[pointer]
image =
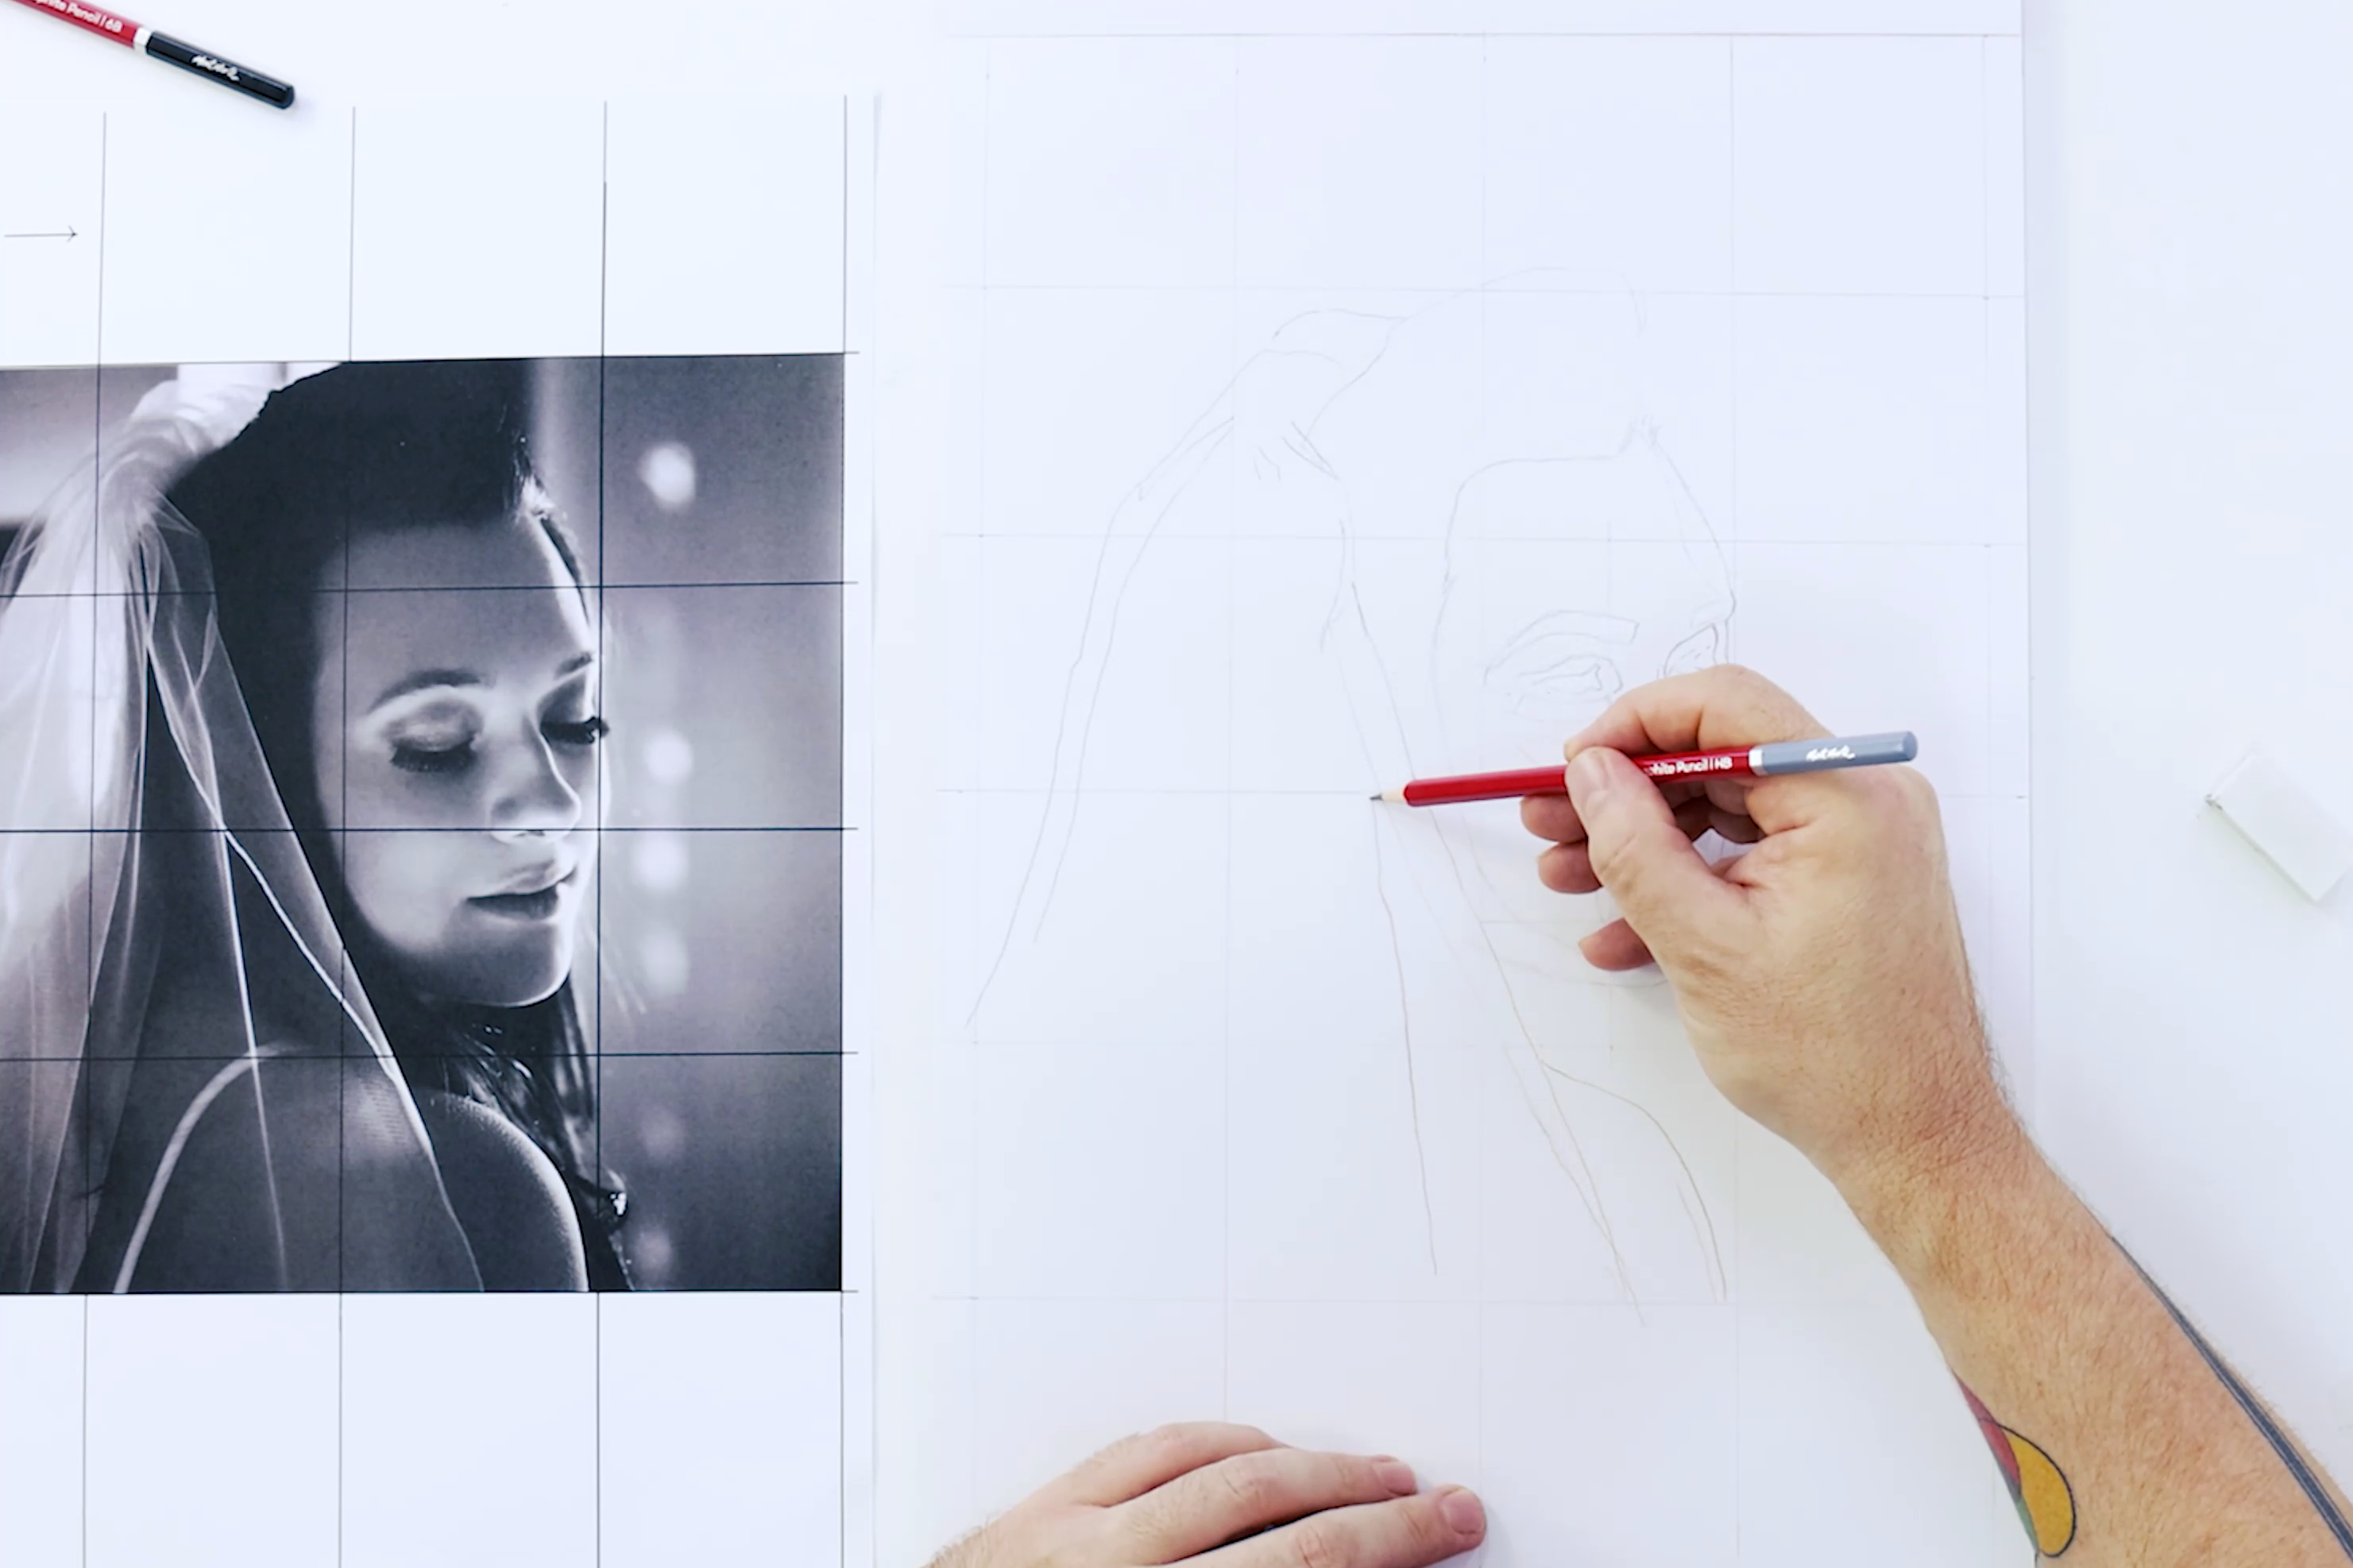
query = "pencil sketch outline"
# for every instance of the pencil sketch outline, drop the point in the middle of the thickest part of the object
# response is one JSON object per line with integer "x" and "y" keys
{"x": 1347, "y": 632}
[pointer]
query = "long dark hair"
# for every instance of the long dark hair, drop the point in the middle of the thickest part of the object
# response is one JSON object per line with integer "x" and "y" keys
{"x": 358, "y": 450}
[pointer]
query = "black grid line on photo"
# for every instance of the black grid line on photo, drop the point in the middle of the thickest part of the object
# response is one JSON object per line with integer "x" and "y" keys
{"x": 88, "y": 1137}
{"x": 246, "y": 835}
{"x": 821, "y": 577}
{"x": 342, "y": 1336}
{"x": 768, "y": 440}
{"x": 604, "y": 764}
{"x": 361, "y": 591}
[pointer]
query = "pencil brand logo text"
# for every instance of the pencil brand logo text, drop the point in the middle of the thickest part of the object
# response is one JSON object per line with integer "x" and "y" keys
{"x": 82, "y": 13}
{"x": 1830, "y": 754}
{"x": 1691, "y": 765}
{"x": 218, "y": 67}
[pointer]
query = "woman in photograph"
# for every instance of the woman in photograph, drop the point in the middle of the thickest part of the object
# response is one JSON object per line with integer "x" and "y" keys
{"x": 299, "y": 718}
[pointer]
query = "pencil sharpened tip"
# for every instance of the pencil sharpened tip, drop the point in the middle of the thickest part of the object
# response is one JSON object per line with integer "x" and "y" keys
{"x": 1376, "y": 795}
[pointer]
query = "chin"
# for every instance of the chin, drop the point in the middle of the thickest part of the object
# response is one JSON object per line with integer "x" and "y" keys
{"x": 517, "y": 979}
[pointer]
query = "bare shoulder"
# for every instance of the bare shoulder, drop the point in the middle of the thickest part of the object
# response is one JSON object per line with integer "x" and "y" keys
{"x": 244, "y": 1191}
{"x": 508, "y": 1195}
{"x": 253, "y": 1188}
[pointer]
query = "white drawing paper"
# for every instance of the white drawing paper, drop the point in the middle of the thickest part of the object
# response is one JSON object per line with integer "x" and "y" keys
{"x": 1342, "y": 404}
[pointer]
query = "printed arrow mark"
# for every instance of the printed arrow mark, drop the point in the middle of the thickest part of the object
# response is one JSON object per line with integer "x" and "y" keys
{"x": 68, "y": 234}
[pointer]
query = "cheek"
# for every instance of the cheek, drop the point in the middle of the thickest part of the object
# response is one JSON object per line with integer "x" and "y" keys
{"x": 583, "y": 772}
{"x": 1516, "y": 726}
{"x": 405, "y": 886}
{"x": 376, "y": 796}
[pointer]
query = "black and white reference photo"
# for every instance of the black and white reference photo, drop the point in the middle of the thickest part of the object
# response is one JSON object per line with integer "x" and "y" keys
{"x": 421, "y": 825}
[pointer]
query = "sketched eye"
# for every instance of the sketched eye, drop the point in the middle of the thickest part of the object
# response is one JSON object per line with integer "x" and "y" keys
{"x": 1542, "y": 682}
{"x": 1696, "y": 651}
{"x": 1581, "y": 677}
{"x": 1546, "y": 690}
{"x": 1552, "y": 668}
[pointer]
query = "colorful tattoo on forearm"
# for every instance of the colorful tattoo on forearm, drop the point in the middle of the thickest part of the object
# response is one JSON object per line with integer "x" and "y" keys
{"x": 2046, "y": 1503}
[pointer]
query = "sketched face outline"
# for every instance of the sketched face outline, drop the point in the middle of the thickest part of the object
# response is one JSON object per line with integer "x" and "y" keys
{"x": 1507, "y": 500}
{"x": 1569, "y": 582}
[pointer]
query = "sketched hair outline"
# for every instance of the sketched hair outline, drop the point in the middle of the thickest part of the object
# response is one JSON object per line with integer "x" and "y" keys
{"x": 1328, "y": 353}
{"x": 1327, "y": 370}
{"x": 1373, "y": 688}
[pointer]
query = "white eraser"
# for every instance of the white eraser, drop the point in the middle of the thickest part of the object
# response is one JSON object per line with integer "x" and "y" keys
{"x": 2294, "y": 832}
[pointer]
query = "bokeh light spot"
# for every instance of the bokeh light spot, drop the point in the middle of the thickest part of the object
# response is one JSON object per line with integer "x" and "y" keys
{"x": 659, "y": 861}
{"x": 670, "y": 757}
{"x": 667, "y": 470}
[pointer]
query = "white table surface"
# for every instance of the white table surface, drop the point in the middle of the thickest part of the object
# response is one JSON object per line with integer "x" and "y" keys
{"x": 2190, "y": 238}
{"x": 2190, "y": 296}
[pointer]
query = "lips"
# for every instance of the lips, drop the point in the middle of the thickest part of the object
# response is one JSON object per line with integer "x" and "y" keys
{"x": 534, "y": 895}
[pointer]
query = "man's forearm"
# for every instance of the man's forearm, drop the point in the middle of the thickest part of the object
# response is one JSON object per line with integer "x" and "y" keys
{"x": 2124, "y": 1442}
{"x": 1822, "y": 979}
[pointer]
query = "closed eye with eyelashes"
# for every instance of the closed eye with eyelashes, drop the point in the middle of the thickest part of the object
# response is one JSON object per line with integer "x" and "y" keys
{"x": 431, "y": 755}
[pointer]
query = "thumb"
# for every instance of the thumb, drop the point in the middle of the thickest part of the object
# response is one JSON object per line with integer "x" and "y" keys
{"x": 1663, "y": 886}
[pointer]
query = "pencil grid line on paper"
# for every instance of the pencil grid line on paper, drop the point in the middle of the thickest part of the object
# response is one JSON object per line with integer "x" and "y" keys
{"x": 1042, "y": 803}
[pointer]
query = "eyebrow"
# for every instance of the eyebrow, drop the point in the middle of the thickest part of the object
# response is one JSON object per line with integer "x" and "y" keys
{"x": 429, "y": 680}
{"x": 1576, "y": 623}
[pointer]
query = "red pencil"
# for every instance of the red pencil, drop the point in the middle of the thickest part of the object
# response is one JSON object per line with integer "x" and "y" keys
{"x": 1767, "y": 761}
{"x": 169, "y": 50}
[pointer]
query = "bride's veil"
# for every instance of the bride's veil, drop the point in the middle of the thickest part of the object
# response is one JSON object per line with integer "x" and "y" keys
{"x": 167, "y": 954}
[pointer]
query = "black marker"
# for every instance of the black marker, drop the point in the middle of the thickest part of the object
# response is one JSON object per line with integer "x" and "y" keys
{"x": 169, "y": 49}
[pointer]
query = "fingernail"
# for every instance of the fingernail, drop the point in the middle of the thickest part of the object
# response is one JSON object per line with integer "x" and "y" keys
{"x": 1462, "y": 1512}
{"x": 1395, "y": 1475}
{"x": 1587, "y": 775}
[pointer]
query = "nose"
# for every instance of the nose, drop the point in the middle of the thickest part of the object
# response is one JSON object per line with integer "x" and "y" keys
{"x": 532, "y": 799}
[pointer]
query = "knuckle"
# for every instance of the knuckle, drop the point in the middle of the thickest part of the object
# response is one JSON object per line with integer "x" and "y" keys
{"x": 1315, "y": 1543}
{"x": 1918, "y": 793}
{"x": 1932, "y": 810}
{"x": 1172, "y": 1442}
{"x": 1734, "y": 675}
{"x": 1613, "y": 860}
{"x": 1766, "y": 703}
{"x": 1250, "y": 1485}
{"x": 1147, "y": 1524}
{"x": 968, "y": 1553}
{"x": 1110, "y": 1456}
{"x": 1118, "y": 1448}
{"x": 1917, "y": 815}
{"x": 1427, "y": 1527}
{"x": 1740, "y": 682}
{"x": 1236, "y": 1438}
{"x": 1359, "y": 1477}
